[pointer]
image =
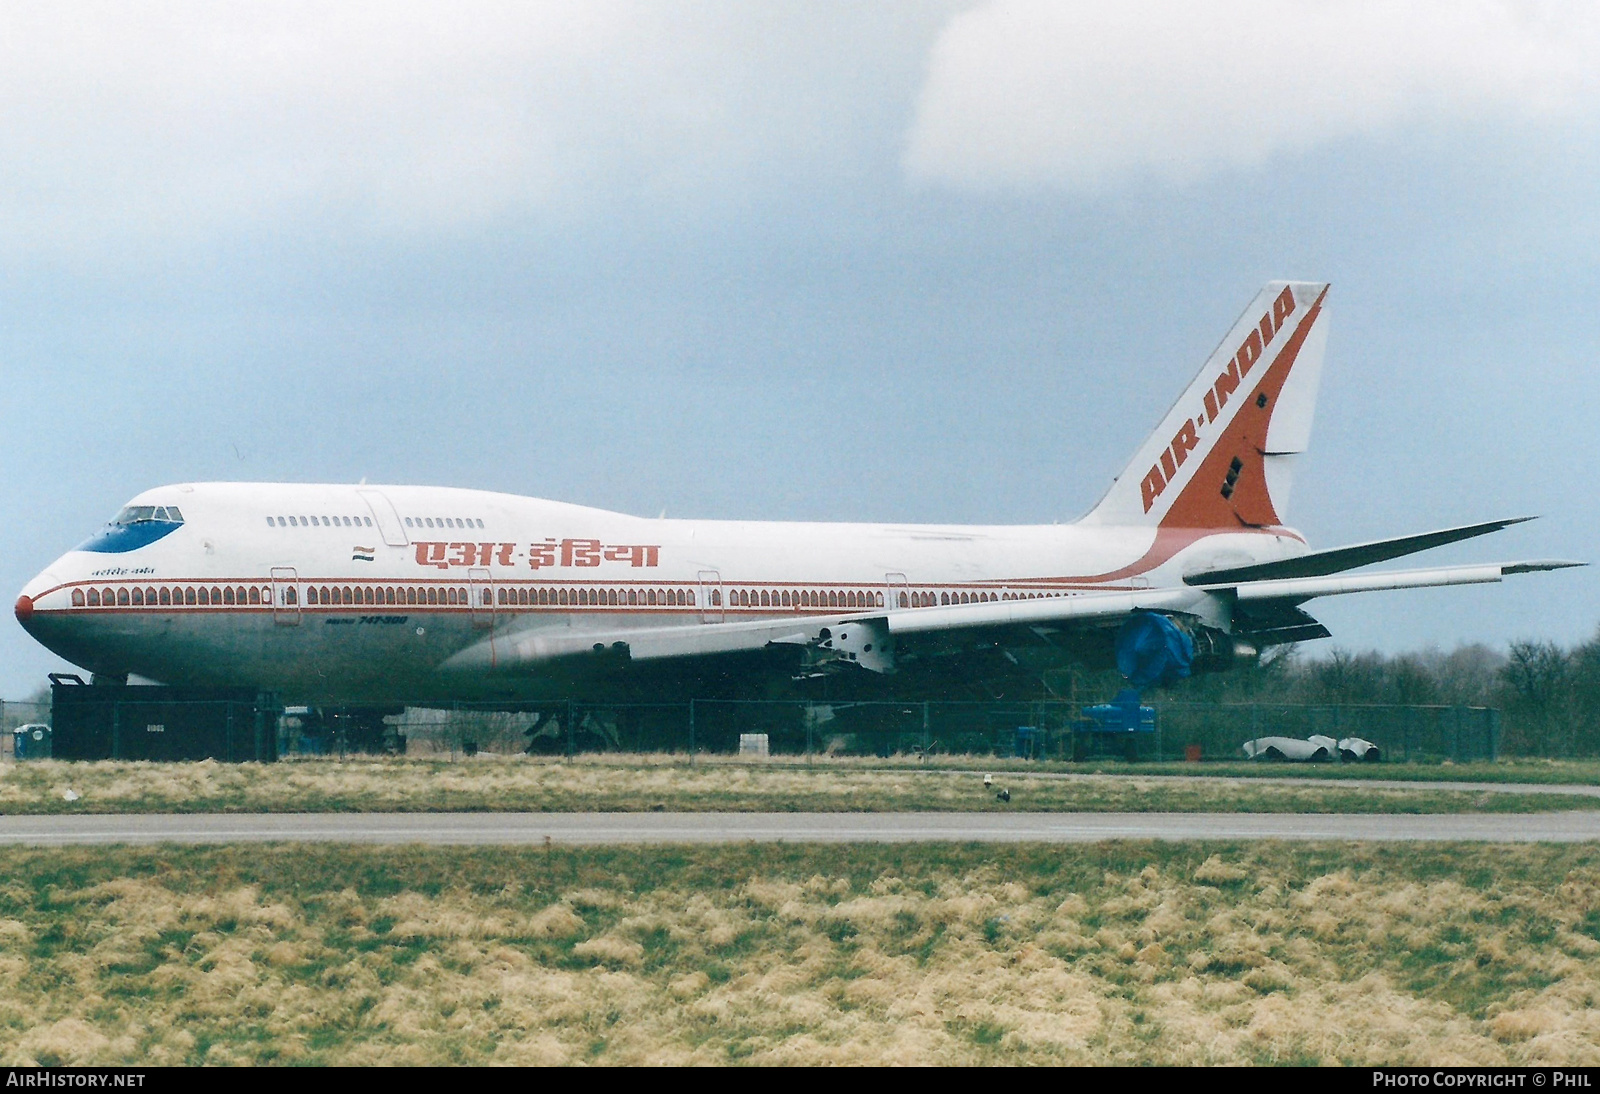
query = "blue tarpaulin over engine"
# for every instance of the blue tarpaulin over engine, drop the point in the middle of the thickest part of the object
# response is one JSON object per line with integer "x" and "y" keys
{"x": 1152, "y": 649}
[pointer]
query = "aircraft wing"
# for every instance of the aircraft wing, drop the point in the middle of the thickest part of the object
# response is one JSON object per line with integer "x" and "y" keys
{"x": 1268, "y": 609}
{"x": 1297, "y": 590}
{"x": 864, "y": 637}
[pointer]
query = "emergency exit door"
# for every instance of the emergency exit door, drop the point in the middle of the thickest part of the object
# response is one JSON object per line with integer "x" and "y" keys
{"x": 285, "y": 596}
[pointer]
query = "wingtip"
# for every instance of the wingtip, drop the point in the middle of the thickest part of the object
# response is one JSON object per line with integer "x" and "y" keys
{"x": 1539, "y": 566}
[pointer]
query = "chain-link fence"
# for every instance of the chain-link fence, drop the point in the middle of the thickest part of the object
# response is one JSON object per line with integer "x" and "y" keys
{"x": 1049, "y": 729}
{"x": 1402, "y": 733}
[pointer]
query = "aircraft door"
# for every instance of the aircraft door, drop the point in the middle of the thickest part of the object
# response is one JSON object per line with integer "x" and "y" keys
{"x": 710, "y": 596}
{"x": 896, "y": 592}
{"x": 285, "y": 596}
{"x": 482, "y": 596}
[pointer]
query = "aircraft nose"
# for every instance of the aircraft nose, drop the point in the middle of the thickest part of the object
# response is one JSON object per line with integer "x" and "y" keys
{"x": 27, "y": 605}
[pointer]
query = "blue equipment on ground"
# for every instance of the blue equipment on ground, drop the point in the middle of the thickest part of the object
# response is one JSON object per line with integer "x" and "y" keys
{"x": 1023, "y": 747}
{"x": 31, "y": 742}
{"x": 1152, "y": 649}
{"x": 1123, "y": 714}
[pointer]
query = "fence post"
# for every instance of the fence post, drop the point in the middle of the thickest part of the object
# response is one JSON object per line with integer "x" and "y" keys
{"x": 1493, "y": 727}
{"x": 691, "y": 733}
{"x": 571, "y": 739}
{"x": 926, "y": 738}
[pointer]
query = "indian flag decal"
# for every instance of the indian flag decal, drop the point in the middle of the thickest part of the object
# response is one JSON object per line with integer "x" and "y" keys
{"x": 362, "y": 554}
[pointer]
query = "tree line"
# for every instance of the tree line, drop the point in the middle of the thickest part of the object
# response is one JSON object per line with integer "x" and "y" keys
{"x": 1549, "y": 696}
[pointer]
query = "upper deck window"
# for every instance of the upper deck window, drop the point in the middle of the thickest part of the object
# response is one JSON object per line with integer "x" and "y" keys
{"x": 462, "y": 523}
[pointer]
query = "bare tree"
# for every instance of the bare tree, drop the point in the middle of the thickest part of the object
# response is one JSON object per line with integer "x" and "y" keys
{"x": 1537, "y": 673}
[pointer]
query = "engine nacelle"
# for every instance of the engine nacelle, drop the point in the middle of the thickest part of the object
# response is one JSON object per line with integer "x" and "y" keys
{"x": 867, "y": 644}
{"x": 1152, "y": 648}
{"x": 1218, "y": 651}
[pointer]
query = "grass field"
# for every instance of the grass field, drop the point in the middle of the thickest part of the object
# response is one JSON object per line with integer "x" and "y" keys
{"x": 1584, "y": 772}
{"x": 1114, "y": 953}
{"x": 638, "y": 783}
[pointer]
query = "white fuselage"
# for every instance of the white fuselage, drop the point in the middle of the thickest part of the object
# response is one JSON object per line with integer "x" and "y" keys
{"x": 327, "y": 593}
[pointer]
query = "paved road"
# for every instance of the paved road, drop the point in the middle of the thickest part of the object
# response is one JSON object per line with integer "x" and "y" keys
{"x": 590, "y": 828}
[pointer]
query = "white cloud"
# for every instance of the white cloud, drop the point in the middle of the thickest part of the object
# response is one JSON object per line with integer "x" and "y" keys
{"x": 1026, "y": 94}
{"x": 191, "y": 117}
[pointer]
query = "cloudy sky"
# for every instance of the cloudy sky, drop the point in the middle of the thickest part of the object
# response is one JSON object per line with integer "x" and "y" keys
{"x": 912, "y": 262}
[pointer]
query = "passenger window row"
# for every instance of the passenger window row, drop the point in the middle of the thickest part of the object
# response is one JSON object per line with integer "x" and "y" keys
{"x": 323, "y": 522}
{"x": 928, "y": 599}
{"x": 240, "y": 595}
{"x": 443, "y": 522}
{"x": 622, "y": 598}
{"x": 804, "y": 598}
{"x": 521, "y": 596}
{"x": 174, "y": 596}
{"x": 331, "y": 595}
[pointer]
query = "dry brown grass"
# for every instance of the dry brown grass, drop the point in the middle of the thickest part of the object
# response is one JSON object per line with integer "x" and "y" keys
{"x": 1116, "y": 953}
{"x": 636, "y": 783}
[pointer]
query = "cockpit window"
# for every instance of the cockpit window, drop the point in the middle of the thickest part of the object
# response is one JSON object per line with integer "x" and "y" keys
{"x": 139, "y": 514}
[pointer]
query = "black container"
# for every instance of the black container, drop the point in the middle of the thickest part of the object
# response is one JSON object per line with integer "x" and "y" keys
{"x": 152, "y": 722}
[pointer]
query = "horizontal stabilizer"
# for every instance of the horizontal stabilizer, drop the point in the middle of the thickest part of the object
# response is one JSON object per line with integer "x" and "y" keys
{"x": 1338, "y": 559}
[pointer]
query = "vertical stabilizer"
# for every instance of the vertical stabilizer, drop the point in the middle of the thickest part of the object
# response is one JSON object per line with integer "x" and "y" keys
{"x": 1222, "y": 457}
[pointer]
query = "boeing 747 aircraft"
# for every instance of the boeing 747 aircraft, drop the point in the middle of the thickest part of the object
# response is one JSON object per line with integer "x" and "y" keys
{"x": 387, "y": 594}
